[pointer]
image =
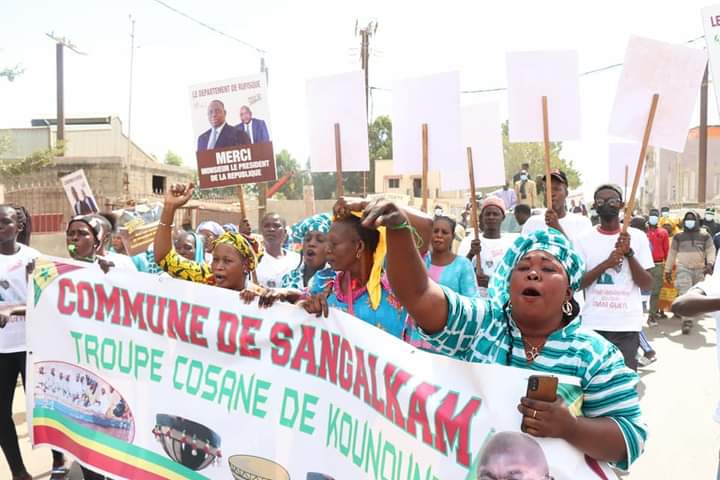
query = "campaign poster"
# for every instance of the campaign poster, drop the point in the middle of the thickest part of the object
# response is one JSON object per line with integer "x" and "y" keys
{"x": 79, "y": 194}
{"x": 231, "y": 125}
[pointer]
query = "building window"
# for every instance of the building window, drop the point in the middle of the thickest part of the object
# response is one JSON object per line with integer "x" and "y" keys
{"x": 417, "y": 187}
{"x": 158, "y": 184}
{"x": 393, "y": 183}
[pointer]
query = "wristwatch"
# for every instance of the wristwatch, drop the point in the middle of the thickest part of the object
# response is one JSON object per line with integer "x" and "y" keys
{"x": 630, "y": 253}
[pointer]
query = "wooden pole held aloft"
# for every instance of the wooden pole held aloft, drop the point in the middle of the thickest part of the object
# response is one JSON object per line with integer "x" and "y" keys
{"x": 546, "y": 142}
{"x": 425, "y": 189}
{"x": 473, "y": 201}
{"x": 630, "y": 200}
{"x": 339, "y": 187}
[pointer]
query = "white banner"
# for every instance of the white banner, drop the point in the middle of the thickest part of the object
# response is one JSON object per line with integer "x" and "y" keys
{"x": 143, "y": 377}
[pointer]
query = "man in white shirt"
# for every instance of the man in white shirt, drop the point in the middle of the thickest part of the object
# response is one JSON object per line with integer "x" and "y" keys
{"x": 492, "y": 244}
{"x": 277, "y": 261}
{"x": 572, "y": 225}
{"x": 617, "y": 267}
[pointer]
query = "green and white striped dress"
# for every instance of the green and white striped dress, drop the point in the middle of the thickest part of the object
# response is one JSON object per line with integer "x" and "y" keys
{"x": 475, "y": 332}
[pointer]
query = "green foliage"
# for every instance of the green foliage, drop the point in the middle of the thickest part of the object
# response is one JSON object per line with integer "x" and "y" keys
{"x": 380, "y": 138}
{"x": 533, "y": 153}
{"x": 12, "y": 73}
{"x": 32, "y": 163}
{"x": 293, "y": 188}
{"x": 172, "y": 158}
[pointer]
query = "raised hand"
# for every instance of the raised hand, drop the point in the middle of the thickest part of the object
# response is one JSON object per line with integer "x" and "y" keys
{"x": 178, "y": 195}
{"x": 383, "y": 213}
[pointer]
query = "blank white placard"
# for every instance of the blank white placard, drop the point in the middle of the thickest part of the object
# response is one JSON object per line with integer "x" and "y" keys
{"x": 434, "y": 100}
{"x": 619, "y": 156}
{"x": 480, "y": 130}
{"x": 674, "y": 72}
{"x": 532, "y": 75}
{"x": 337, "y": 99}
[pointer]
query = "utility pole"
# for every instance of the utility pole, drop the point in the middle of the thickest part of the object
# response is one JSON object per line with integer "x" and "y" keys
{"x": 365, "y": 34}
{"x": 126, "y": 167}
{"x": 60, "y": 44}
{"x": 262, "y": 186}
{"x": 702, "y": 143}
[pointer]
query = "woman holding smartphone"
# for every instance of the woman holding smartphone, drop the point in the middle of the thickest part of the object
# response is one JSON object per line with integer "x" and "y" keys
{"x": 529, "y": 321}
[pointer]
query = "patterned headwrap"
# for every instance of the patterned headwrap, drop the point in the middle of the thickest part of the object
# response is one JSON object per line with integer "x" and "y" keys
{"x": 374, "y": 286}
{"x": 95, "y": 222}
{"x": 248, "y": 247}
{"x": 551, "y": 241}
{"x": 317, "y": 223}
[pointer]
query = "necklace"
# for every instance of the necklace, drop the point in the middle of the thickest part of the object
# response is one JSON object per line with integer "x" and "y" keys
{"x": 532, "y": 351}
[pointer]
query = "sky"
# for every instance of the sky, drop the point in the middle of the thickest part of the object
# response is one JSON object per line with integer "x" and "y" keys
{"x": 304, "y": 39}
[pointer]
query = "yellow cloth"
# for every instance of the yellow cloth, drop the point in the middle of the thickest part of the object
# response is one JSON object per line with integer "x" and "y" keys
{"x": 244, "y": 245}
{"x": 373, "y": 286}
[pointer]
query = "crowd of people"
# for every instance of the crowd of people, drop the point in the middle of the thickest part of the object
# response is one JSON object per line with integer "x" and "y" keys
{"x": 566, "y": 292}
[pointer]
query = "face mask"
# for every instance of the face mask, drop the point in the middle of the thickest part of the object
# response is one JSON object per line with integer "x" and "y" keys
{"x": 664, "y": 213}
{"x": 689, "y": 224}
{"x": 653, "y": 220}
{"x": 438, "y": 212}
{"x": 606, "y": 211}
{"x": 709, "y": 218}
{"x": 523, "y": 177}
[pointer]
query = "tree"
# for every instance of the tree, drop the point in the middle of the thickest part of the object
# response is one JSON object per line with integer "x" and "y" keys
{"x": 380, "y": 138}
{"x": 284, "y": 164}
{"x": 533, "y": 153}
{"x": 12, "y": 72}
{"x": 172, "y": 158}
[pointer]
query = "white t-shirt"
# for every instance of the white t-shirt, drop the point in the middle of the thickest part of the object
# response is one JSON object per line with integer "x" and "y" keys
{"x": 491, "y": 252}
{"x": 270, "y": 270}
{"x": 613, "y": 302}
{"x": 13, "y": 291}
{"x": 573, "y": 224}
{"x": 123, "y": 262}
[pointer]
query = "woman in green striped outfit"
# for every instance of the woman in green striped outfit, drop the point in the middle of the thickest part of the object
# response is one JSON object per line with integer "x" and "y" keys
{"x": 529, "y": 320}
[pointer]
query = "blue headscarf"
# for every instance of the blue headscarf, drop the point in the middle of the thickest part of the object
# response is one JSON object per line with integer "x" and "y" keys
{"x": 549, "y": 240}
{"x": 199, "y": 246}
{"x": 317, "y": 223}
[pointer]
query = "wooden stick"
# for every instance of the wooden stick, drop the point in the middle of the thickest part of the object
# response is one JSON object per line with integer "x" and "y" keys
{"x": 630, "y": 201}
{"x": 546, "y": 141}
{"x": 425, "y": 190}
{"x": 241, "y": 197}
{"x": 473, "y": 202}
{"x": 339, "y": 187}
{"x": 627, "y": 168}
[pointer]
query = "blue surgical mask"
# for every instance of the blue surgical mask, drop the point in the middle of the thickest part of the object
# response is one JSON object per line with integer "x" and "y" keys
{"x": 653, "y": 220}
{"x": 523, "y": 177}
{"x": 689, "y": 224}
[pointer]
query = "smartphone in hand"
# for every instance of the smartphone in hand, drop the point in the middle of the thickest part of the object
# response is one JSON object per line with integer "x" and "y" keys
{"x": 542, "y": 387}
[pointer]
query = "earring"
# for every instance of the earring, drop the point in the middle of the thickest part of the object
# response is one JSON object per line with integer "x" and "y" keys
{"x": 357, "y": 255}
{"x": 567, "y": 308}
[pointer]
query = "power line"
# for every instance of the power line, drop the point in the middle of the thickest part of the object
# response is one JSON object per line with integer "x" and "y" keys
{"x": 210, "y": 27}
{"x": 501, "y": 89}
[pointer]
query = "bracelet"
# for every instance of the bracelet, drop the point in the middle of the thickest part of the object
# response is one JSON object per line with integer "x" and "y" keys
{"x": 166, "y": 225}
{"x": 406, "y": 226}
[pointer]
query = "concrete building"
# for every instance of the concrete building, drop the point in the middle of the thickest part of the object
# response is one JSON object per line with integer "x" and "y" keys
{"x": 671, "y": 178}
{"x": 100, "y": 148}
